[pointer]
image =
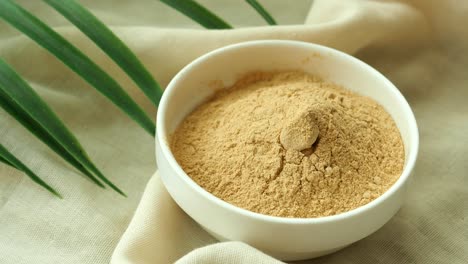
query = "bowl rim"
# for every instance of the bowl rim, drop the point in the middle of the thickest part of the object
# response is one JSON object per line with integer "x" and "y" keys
{"x": 161, "y": 134}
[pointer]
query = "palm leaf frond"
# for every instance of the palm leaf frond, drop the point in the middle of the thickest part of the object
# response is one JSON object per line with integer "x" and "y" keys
{"x": 262, "y": 11}
{"x": 110, "y": 44}
{"x": 6, "y": 162}
{"x": 198, "y": 13}
{"x": 37, "y": 130}
{"x": 8, "y": 158}
{"x": 75, "y": 60}
{"x": 17, "y": 90}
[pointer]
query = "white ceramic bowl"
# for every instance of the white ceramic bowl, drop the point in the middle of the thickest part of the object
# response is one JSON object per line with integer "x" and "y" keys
{"x": 283, "y": 238}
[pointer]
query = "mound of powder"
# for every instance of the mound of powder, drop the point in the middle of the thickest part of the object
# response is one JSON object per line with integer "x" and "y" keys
{"x": 289, "y": 144}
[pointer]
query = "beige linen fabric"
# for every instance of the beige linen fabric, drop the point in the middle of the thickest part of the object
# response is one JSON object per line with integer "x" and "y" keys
{"x": 419, "y": 45}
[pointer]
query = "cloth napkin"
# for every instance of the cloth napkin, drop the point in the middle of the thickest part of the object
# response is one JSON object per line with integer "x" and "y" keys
{"x": 419, "y": 45}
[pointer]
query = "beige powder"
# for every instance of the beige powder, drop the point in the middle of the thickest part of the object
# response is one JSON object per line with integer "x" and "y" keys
{"x": 288, "y": 144}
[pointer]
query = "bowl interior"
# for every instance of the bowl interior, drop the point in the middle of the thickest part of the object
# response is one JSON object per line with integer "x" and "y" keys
{"x": 221, "y": 68}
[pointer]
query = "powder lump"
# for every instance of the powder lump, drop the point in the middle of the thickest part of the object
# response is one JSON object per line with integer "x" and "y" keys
{"x": 291, "y": 145}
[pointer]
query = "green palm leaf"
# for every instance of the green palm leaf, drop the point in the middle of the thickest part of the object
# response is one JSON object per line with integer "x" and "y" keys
{"x": 36, "y": 129}
{"x": 31, "y": 104}
{"x": 8, "y": 158}
{"x": 198, "y": 13}
{"x": 75, "y": 59}
{"x": 6, "y": 162}
{"x": 110, "y": 44}
{"x": 259, "y": 8}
